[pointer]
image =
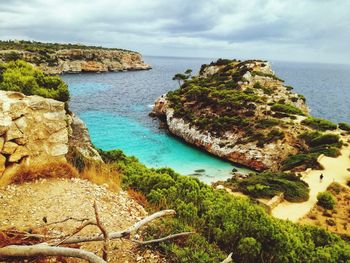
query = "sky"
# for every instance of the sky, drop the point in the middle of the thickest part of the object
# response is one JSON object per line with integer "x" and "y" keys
{"x": 288, "y": 30}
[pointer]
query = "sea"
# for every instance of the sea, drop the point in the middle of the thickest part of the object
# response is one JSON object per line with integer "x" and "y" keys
{"x": 115, "y": 108}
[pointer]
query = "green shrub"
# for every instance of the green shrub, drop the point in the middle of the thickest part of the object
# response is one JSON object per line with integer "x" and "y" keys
{"x": 326, "y": 200}
{"x": 309, "y": 160}
{"x": 267, "y": 123}
{"x": 314, "y": 139}
{"x": 344, "y": 126}
{"x": 319, "y": 124}
{"x": 287, "y": 108}
{"x": 268, "y": 184}
{"x": 225, "y": 221}
{"x": 23, "y": 77}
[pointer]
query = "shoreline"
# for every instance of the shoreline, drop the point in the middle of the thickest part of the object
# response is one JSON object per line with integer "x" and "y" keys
{"x": 335, "y": 170}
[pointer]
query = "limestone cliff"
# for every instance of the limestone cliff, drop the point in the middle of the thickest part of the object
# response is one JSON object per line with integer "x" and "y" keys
{"x": 239, "y": 111}
{"x": 34, "y": 129}
{"x": 58, "y": 59}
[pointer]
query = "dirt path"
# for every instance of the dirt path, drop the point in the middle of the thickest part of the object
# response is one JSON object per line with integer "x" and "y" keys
{"x": 25, "y": 206}
{"x": 335, "y": 171}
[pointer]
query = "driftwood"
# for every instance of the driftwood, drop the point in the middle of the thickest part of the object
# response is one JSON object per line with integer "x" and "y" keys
{"x": 53, "y": 248}
{"x": 46, "y": 250}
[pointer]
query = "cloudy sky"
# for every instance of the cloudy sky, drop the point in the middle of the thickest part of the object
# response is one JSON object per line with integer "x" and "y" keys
{"x": 292, "y": 30}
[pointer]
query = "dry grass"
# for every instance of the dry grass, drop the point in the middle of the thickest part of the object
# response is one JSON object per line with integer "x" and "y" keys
{"x": 103, "y": 174}
{"x": 336, "y": 220}
{"x": 139, "y": 197}
{"x": 97, "y": 173}
{"x": 28, "y": 173}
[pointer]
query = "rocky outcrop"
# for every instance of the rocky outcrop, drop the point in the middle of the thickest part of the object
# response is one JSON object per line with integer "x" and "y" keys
{"x": 34, "y": 130}
{"x": 80, "y": 60}
{"x": 237, "y": 143}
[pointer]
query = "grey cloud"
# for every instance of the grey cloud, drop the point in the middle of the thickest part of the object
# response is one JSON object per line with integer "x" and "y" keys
{"x": 288, "y": 29}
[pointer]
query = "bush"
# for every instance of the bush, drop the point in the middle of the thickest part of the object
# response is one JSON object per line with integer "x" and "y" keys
{"x": 319, "y": 124}
{"x": 344, "y": 126}
{"x": 223, "y": 222}
{"x": 287, "y": 108}
{"x": 304, "y": 159}
{"x": 268, "y": 184}
{"x": 326, "y": 200}
{"x": 23, "y": 77}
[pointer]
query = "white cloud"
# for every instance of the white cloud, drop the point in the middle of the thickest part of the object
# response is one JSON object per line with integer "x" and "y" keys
{"x": 309, "y": 30}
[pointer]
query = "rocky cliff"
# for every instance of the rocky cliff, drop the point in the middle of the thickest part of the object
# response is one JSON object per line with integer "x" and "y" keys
{"x": 239, "y": 111}
{"x": 58, "y": 59}
{"x": 34, "y": 129}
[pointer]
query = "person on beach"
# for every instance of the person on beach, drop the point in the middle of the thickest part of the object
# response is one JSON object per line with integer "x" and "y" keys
{"x": 321, "y": 177}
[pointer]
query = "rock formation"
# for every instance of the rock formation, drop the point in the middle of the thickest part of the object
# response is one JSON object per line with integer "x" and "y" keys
{"x": 34, "y": 129}
{"x": 80, "y": 60}
{"x": 233, "y": 110}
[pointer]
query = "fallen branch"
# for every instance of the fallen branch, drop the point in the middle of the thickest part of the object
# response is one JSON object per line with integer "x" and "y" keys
{"x": 104, "y": 232}
{"x": 120, "y": 234}
{"x": 228, "y": 259}
{"x": 46, "y": 250}
{"x": 161, "y": 239}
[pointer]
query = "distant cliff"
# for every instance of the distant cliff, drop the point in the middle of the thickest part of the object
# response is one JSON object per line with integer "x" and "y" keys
{"x": 242, "y": 112}
{"x": 69, "y": 58}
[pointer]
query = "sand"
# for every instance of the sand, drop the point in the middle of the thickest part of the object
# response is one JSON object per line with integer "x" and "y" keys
{"x": 335, "y": 170}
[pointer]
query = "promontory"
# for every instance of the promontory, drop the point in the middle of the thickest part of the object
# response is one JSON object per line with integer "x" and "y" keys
{"x": 241, "y": 111}
{"x": 54, "y": 58}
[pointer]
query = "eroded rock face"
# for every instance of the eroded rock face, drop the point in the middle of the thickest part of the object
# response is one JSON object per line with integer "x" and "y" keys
{"x": 230, "y": 145}
{"x": 83, "y": 60}
{"x": 34, "y": 129}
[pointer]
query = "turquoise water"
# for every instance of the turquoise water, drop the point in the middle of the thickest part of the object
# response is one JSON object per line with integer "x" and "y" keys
{"x": 155, "y": 149}
{"x": 115, "y": 107}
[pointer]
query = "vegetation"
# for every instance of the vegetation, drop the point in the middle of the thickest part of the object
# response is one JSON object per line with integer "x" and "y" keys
{"x": 319, "y": 124}
{"x": 318, "y": 143}
{"x": 287, "y": 108}
{"x": 262, "y": 74}
{"x": 268, "y": 184}
{"x": 344, "y": 126}
{"x": 35, "y": 46}
{"x": 223, "y": 223}
{"x": 23, "y": 77}
{"x": 326, "y": 200}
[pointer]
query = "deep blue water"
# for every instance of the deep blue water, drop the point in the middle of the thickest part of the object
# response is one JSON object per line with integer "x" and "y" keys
{"x": 115, "y": 107}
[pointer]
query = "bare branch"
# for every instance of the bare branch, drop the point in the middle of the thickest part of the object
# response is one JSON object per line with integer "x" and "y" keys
{"x": 76, "y": 231}
{"x": 120, "y": 234}
{"x": 228, "y": 259}
{"x": 65, "y": 220}
{"x": 100, "y": 225}
{"x": 46, "y": 250}
{"x": 162, "y": 239}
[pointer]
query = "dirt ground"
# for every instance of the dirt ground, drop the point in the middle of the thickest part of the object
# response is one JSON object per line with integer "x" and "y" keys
{"x": 336, "y": 220}
{"x": 28, "y": 205}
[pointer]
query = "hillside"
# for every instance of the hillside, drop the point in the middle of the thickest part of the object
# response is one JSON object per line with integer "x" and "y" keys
{"x": 54, "y": 200}
{"x": 49, "y": 183}
{"x": 54, "y": 58}
{"x": 241, "y": 111}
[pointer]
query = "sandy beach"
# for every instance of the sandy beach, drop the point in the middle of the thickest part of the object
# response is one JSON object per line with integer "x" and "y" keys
{"x": 335, "y": 170}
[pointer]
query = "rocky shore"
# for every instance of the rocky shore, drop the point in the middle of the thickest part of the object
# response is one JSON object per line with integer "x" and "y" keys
{"x": 247, "y": 128}
{"x": 79, "y": 60}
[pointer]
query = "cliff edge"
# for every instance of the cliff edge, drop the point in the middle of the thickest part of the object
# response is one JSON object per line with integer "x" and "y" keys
{"x": 241, "y": 111}
{"x": 68, "y": 58}
{"x": 34, "y": 129}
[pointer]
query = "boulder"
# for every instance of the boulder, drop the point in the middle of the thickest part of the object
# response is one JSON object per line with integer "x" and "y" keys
{"x": 2, "y": 164}
{"x": 9, "y": 148}
{"x": 13, "y": 132}
{"x": 19, "y": 153}
{"x": 2, "y": 141}
{"x": 5, "y": 123}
